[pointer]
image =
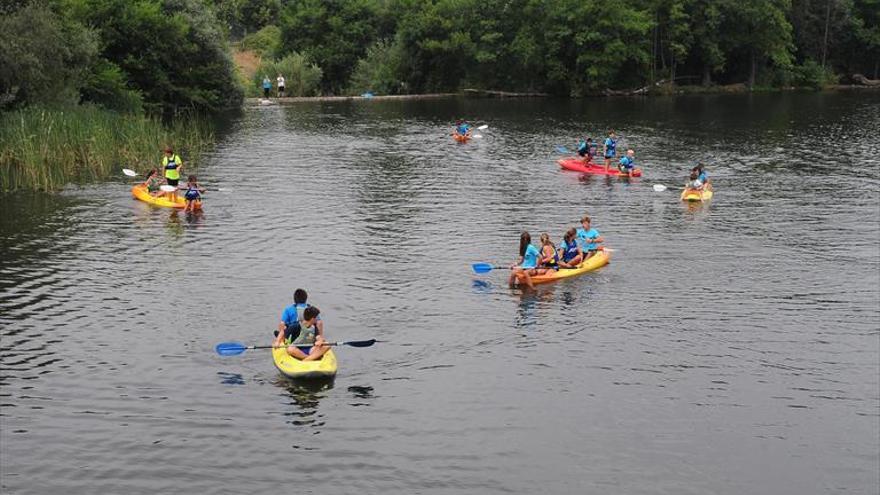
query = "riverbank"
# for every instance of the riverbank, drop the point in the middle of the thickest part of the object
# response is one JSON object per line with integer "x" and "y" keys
{"x": 659, "y": 90}
{"x": 45, "y": 149}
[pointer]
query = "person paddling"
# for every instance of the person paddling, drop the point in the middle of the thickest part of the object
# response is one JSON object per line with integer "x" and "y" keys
{"x": 302, "y": 339}
{"x": 462, "y": 128}
{"x": 173, "y": 165}
{"x": 528, "y": 262}
{"x": 589, "y": 238}
{"x": 295, "y": 311}
{"x": 703, "y": 176}
{"x": 610, "y": 150}
{"x": 153, "y": 182}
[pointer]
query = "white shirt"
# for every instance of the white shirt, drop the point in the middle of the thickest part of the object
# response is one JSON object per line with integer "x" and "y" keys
{"x": 280, "y": 81}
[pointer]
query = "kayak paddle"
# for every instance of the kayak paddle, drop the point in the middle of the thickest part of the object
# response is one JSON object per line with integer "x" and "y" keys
{"x": 483, "y": 127}
{"x": 659, "y": 188}
{"x": 485, "y": 267}
{"x": 129, "y": 172}
{"x": 236, "y": 348}
{"x": 167, "y": 188}
{"x": 563, "y": 149}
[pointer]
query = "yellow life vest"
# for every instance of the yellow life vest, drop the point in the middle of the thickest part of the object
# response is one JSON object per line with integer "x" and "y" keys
{"x": 172, "y": 167}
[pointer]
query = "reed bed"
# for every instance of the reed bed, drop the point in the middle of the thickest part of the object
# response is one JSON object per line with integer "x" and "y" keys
{"x": 46, "y": 149}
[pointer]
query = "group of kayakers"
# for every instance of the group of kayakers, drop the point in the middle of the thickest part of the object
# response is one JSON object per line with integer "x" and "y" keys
{"x": 577, "y": 246}
{"x": 301, "y": 330}
{"x": 587, "y": 149}
{"x": 172, "y": 166}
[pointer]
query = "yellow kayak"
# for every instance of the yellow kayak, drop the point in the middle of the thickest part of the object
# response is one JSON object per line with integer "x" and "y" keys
{"x": 598, "y": 260}
{"x": 694, "y": 195}
{"x": 291, "y": 367}
{"x": 140, "y": 192}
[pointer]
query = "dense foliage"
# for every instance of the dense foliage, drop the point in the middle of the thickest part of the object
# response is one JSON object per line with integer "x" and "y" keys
{"x": 162, "y": 56}
{"x": 574, "y": 47}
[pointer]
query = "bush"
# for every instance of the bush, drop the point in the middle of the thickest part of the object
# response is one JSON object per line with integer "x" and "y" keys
{"x": 302, "y": 78}
{"x": 379, "y": 71}
{"x": 264, "y": 42}
{"x": 812, "y": 75}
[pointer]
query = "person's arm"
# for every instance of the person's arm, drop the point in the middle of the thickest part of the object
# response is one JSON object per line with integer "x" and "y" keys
{"x": 598, "y": 239}
{"x": 320, "y": 328}
{"x": 279, "y": 339}
{"x": 520, "y": 262}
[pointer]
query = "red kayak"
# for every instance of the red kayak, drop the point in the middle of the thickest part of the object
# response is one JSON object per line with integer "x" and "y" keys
{"x": 577, "y": 165}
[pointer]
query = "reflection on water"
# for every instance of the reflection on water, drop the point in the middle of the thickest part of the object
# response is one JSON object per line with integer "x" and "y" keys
{"x": 306, "y": 396}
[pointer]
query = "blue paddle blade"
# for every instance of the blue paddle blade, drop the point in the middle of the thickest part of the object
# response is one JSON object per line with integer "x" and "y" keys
{"x": 230, "y": 348}
{"x": 562, "y": 149}
{"x": 481, "y": 267}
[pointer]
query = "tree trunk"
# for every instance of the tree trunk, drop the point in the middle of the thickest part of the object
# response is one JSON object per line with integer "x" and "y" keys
{"x": 825, "y": 37}
{"x": 707, "y": 75}
{"x": 753, "y": 70}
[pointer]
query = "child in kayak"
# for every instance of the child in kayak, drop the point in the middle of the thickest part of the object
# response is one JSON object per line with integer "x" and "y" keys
{"x": 587, "y": 150}
{"x": 153, "y": 182}
{"x": 528, "y": 262}
{"x": 694, "y": 183}
{"x": 462, "y": 128}
{"x": 302, "y": 338}
{"x": 295, "y": 311}
{"x": 589, "y": 238}
{"x": 627, "y": 163}
{"x": 549, "y": 256}
{"x": 703, "y": 175}
{"x": 610, "y": 150}
{"x": 570, "y": 254}
{"x": 193, "y": 194}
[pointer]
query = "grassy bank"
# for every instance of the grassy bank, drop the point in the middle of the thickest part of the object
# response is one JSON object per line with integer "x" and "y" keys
{"x": 45, "y": 149}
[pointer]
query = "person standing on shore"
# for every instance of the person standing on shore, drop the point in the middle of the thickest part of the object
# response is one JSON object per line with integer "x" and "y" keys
{"x": 173, "y": 165}
{"x": 280, "y": 82}
{"x": 267, "y": 86}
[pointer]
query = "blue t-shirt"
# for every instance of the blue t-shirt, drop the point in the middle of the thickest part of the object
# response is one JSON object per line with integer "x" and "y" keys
{"x": 703, "y": 176}
{"x": 294, "y": 313}
{"x": 266, "y": 84}
{"x": 610, "y": 147}
{"x": 585, "y": 235}
{"x": 627, "y": 162}
{"x": 463, "y": 128}
{"x": 583, "y": 147}
{"x": 530, "y": 259}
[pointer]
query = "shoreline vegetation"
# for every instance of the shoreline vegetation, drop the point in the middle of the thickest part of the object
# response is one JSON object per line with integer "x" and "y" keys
{"x": 88, "y": 84}
{"x": 474, "y": 93}
{"x": 46, "y": 149}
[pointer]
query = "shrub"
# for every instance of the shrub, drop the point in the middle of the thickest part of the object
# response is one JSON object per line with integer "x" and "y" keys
{"x": 379, "y": 71}
{"x": 302, "y": 77}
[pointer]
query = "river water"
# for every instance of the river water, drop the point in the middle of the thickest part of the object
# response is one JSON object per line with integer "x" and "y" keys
{"x": 730, "y": 347}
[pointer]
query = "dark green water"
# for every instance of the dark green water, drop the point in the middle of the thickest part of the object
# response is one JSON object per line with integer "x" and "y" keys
{"x": 728, "y": 348}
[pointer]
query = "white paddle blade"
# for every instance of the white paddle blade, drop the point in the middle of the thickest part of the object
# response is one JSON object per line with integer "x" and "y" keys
{"x": 129, "y": 172}
{"x": 482, "y": 127}
{"x": 659, "y": 187}
{"x": 167, "y": 188}
{"x": 478, "y": 136}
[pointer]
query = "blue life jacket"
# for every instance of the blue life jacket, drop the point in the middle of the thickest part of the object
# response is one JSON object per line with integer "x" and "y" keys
{"x": 569, "y": 251}
{"x": 192, "y": 193}
{"x": 582, "y": 147}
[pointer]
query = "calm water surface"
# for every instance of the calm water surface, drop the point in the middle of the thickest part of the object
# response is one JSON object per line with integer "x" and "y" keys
{"x": 729, "y": 348}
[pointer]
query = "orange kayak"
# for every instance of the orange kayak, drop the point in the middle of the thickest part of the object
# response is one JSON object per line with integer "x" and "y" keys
{"x": 598, "y": 260}
{"x": 461, "y": 138}
{"x": 140, "y": 192}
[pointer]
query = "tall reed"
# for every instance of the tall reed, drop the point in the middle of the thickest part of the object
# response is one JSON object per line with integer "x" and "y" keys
{"x": 45, "y": 149}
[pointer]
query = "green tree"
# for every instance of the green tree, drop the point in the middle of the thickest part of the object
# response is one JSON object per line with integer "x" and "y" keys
{"x": 44, "y": 57}
{"x": 764, "y": 33}
{"x": 333, "y": 33}
{"x": 172, "y": 51}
